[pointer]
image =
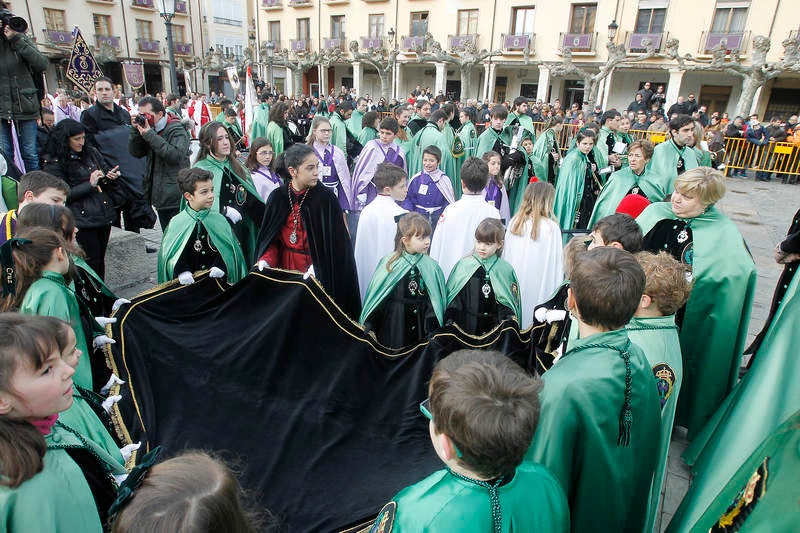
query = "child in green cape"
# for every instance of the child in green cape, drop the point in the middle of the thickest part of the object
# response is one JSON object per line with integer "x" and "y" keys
{"x": 406, "y": 298}
{"x": 482, "y": 290}
{"x": 199, "y": 238}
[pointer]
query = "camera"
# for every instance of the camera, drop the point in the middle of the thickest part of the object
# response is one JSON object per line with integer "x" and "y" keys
{"x": 7, "y": 18}
{"x": 141, "y": 119}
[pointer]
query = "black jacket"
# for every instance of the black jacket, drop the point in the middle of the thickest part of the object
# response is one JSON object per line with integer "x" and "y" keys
{"x": 20, "y": 60}
{"x": 167, "y": 153}
{"x": 91, "y": 206}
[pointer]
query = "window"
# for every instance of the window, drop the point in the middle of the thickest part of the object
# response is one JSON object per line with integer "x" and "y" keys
{"x": 730, "y": 16}
{"x": 650, "y": 20}
{"x": 274, "y": 31}
{"x": 337, "y": 27}
{"x": 522, "y": 20}
{"x": 467, "y": 22}
{"x": 102, "y": 25}
{"x": 582, "y": 20}
{"x": 233, "y": 46}
{"x": 227, "y": 12}
{"x": 178, "y": 34}
{"x": 144, "y": 30}
{"x": 419, "y": 24}
{"x": 304, "y": 29}
{"x": 55, "y": 19}
{"x": 376, "y": 25}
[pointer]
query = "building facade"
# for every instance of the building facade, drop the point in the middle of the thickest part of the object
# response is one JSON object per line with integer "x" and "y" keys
{"x": 529, "y": 36}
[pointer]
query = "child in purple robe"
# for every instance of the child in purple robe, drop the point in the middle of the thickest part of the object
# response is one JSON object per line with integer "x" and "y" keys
{"x": 260, "y": 163}
{"x": 334, "y": 173}
{"x": 430, "y": 191}
{"x": 377, "y": 151}
{"x": 495, "y": 191}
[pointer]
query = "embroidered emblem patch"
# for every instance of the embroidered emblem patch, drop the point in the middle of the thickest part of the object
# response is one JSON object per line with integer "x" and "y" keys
{"x": 665, "y": 381}
{"x": 745, "y": 502}
{"x": 241, "y": 195}
{"x": 514, "y": 289}
{"x": 458, "y": 148}
{"x": 385, "y": 520}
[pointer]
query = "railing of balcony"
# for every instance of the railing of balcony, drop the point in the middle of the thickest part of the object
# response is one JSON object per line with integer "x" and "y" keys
{"x": 181, "y": 7}
{"x": 372, "y": 42}
{"x": 578, "y": 42}
{"x": 333, "y": 43}
{"x": 300, "y": 45}
{"x": 459, "y": 42}
{"x": 147, "y": 46}
{"x": 732, "y": 40}
{"x": 142, "y": 3}
{"x": 183, "y": 49}
{"x": 271, "y": 4}
{"x": 58, "y": 37}
{"x": 410, "y": 43}
{"x": 636, "y": 43}
{"x": 518, "y": 42}
{"x": 107, "y": 40}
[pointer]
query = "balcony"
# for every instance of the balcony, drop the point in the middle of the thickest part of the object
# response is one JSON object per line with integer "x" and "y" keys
{"x": 227, "y": 21}
{"x": 107, "y": 40}
{"x": 271, "y": 5}
{"x": 58, "y": 37}
{"x": 732, "y": 40}
{"x": 460, "y": 42}
{"x": 146, "y": 46}
{"x": 333, "y": 43}
{"x": 181, "y": 7}
{"x": 183, "y": 49}
{"x": 374, "y": 43}
{"x": 579, "y": 43}
{"x": 336, "y": 2}
{"x": 275, "y": 50}
{"x": 409, "y": 43}
{"x": 518, "y": 43}
{"x": 142, "y": 4}
{"x": 300, "y": 46}
{"x": 300, "y": 3}
{"x": 636, "y": 43}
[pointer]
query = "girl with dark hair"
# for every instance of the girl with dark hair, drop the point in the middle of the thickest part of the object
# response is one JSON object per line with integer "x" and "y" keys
{"x": 546, "y": 150}
{"x": 89, "y": 179}
{"x": 369, "y": 127}
{"x": 261, "y": 163}
{"x": 304, "y": 229}
{"x": 578, "y": 185}
{"x": 278, "y": 131}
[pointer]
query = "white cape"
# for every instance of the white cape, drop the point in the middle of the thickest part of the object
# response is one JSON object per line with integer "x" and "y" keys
{"x": 375, "y": 237}
{"x": 539, "y": 264}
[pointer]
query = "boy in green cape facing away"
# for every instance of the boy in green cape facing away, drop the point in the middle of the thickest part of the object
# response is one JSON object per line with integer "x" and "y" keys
{"x": 199, "y": 238}
{"x": 482, "y": 290}
{"x": 484, "y": 485}
{"x": 600, "y": 422}
{"x": 653, "y": 329}
{"x": 406, "y": 298}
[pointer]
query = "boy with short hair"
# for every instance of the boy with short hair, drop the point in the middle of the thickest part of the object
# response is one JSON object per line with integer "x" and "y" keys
{"x": 600, "y": 419}
{"x": 455, "y": 230}
{"x": 199, "y": 237}
{"x": 619, "y": 230}
{"x": 378, "y": 222}
{"x": 37, "y": 187}
{"x": 430, "y": 191}
{"x": 485, "y": 486}
{"x": 653, "y": 329}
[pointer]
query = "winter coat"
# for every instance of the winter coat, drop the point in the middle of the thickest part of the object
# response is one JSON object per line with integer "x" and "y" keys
{"x": 167, "y": 153}
{"x": 91, "y": 206}
{"x": 20, "y": 60}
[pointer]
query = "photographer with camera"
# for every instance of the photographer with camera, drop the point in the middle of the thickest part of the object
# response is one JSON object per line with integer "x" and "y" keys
{"x": 21, "y": 64}
{"x": 164, "y": 140}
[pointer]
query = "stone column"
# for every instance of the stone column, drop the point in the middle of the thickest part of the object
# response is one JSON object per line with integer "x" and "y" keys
{"x": 441, "y": 78}
{"x": 288, "y": 84}
{"x": 357, "y": 75}
{"x": 489, "y": 83}
{"x": 673, "y": 87}
{"x": 544, "y": 83}
{"x": 323, "y": 79}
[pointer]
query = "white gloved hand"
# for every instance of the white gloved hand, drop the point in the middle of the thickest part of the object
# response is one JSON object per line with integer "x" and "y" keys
{"x": 216, "y": 272}
{"x": 119, "y": 303}
{"x": 109, "y": 402}
{"x": 262, "y": 265}
{"x": 127, "y": 451}
{"x": 113, "y": 380}
{"x": 185, "y": 278}
{"x": 309, "y": 272}
{"x": 102, "y": 340}
{"x": 103, "y": 320}
{"x": 232, "y": 214}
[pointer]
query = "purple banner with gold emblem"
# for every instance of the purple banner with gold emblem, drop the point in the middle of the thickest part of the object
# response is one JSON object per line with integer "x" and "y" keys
{"x": 134, "y": 73}
{"x": 82, "y": 69}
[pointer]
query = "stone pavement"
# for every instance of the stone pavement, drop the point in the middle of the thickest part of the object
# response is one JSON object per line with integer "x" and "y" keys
{"x": 761, "y": 210}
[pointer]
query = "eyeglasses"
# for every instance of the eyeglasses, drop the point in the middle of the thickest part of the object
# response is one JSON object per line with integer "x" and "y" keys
{"x": 425, "y": 408}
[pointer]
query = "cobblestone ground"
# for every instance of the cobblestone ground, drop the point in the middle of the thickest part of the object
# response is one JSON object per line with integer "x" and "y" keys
{"x": 761, "y": 210}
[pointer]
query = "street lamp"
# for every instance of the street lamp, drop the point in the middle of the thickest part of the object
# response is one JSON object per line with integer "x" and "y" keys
{"x": 167, "y": 10}
{"x": 393, "y": 57}
{"x": 612, "y": 30}
{"x": 270, "y": 46}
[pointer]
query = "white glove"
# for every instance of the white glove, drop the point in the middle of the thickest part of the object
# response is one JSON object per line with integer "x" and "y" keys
{"x": 119, "y": 303}
{"x": 262, "y": 265}
{"x": 127, "y": 451}
{"x": 103, "y": 320}
{"x": 309, "y": 272}
{"x": 232, "y": 214}
{"x": 185, "y": 278}
{"x": 109, "y": 402}
{"x": 113, "y": 380}
{"x": 102, "y": 340}
{"x": 216, "y": 272}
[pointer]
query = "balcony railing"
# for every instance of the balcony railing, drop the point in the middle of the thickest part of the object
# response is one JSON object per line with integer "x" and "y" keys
{"x": 107, "y": 40}
{"x": 300, "y": 45}
{"x": 271, "y": 4}
{"x": 579, "y": 42}
{"x": 371, "y": 42}
{"x": 732, "y": 40}
{"x": 183, "y": 49}
{"x": 412, "y": 42}
{"x": 278, "y": 46}
{"x": 59, "y": 37}
{"x": 636, "y": 43}
{"x": 336, "y": 2}
{"x": 460, "y": 42}
{"x": 181, "y": 7}
{"x": 148, "y": 47}
{"x": 516, "y": 43}
{"x": 333, "y": 43}
{"x": 147, "y": 4}
{"x": 300, "y": 3}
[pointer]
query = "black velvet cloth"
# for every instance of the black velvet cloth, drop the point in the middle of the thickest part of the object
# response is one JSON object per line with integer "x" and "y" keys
{"x": 328, "y": 240}
{"x": 403, "y": 318}
{"x": 324, "y": 422}
{"x": 474, "y": 313}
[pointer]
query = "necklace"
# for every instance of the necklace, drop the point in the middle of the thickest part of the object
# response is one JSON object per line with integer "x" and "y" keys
{"x": 414, "y": 286}
{"x": 486, "y": 289}
{"x": 295, "y": 214}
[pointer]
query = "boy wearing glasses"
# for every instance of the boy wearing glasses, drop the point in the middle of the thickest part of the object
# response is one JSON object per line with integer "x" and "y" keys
{"x": 484, "y": 486}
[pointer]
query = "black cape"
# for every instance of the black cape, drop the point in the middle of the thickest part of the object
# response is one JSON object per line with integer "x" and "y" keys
{"x": 323, "y": 420}
{"x": 329, "y": 242}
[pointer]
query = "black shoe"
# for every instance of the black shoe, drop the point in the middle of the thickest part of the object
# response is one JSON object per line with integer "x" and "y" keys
{"x": 150, "y": 249}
